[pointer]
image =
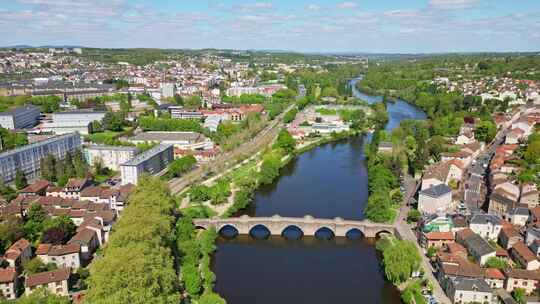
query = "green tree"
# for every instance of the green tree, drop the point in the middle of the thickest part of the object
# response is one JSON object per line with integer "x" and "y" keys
{"x": 414, "y": 215}
{"x": 400, "y": 260}
{"x": 35, "y": 222}
{"x": 113, "y": 121}
{"x": 143, "y": 236}
{"x": 47, "y": 167}
{"x": 36, "y": 265}
{"x": 20, "y": 179}
{"x": 193, "y": 102}
{"x": 11, "y": 230}
{"x": 181, "y": 165}
{"x": 494, "y": 262}
{"x": 210, "y": 297}
{"x": 485, "y": 131}
{"x": 290, "y": 115}
{"x": 519, "y": 295}
{"x": 79, "y": 164}
{"x": 532, "y": 153}
{"x": 43, "y": 296}
{"x": 285, "y": 141}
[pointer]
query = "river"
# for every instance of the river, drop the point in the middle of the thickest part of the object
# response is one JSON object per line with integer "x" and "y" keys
{"x": 328, "y": 181}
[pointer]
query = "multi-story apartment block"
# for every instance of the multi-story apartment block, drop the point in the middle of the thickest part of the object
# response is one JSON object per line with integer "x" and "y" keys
{"x": 19, "y": 118}
{"x": 109, "y": 156}
{"x": 76, "y": 121}
{"x": 28, "y": 158}
{"x": 152, "y": 162}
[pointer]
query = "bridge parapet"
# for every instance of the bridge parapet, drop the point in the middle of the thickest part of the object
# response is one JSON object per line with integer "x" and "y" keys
{"x": 308, "y": 224}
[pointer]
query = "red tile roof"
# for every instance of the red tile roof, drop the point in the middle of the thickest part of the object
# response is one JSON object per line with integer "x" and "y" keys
{"x": 36, "y": 187}
{"x": 524, "y": 252}
{"x": 494, "y": 273}
{"x": 7, "y": 275}
{"x": 58, "y": 275}
{"x": 436, "y": 235}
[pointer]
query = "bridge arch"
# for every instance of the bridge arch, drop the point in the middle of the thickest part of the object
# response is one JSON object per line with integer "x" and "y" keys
{"x": 228, "y": 231}
{"x": 354, "y": 234}
{"x": 259, "y": 231}
{"x": 325, "y": 233}
{"x": 292, "y": 232}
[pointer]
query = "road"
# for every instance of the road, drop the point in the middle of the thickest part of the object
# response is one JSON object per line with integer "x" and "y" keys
{"x": 406, "y": 232}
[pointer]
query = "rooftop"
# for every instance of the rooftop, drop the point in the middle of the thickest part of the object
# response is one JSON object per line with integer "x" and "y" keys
{"x": 147, "y": 155}
{"x": 38, "y": 144}
{"x": 437, "y": 191}
{"x": 19, "y": 110}
{"x": 168, "y": 136}
{"x": 48, "y": 277}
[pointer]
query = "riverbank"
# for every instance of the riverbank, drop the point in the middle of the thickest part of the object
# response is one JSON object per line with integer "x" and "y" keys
{"x": 245, "y": 179}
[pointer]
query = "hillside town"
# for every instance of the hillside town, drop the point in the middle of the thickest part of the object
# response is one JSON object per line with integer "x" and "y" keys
{"x": 79, "y": 135}
{"x": 479, "y": 223}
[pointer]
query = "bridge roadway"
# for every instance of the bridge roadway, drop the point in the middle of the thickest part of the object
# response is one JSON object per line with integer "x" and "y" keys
{"x": 307, "y": 224}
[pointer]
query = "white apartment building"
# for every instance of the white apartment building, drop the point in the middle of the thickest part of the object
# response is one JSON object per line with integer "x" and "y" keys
{"x": 167, "y": 89}
{"x": 110, "y": 156}
{"x": 19, "y": 118}
{"x": 28, "y": 158}
{"x": 76, "y": 121}
{"x": 152, "y": 162}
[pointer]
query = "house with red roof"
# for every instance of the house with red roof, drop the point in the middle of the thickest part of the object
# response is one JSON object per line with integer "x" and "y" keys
{"x": 8, "y": 283}
{"x": 18, "y": 253}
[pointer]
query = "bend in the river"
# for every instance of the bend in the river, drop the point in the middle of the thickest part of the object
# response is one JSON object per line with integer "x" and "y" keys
{"x": 326, "y": 182}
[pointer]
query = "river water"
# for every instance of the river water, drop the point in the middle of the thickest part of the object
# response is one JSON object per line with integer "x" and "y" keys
{"x": 328, "y": 181}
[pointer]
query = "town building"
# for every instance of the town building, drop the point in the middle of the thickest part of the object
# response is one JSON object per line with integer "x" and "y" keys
{"x": 182, "y": 140}
{"x": 435, "y": 199}
{"x": 152, "y": 162}
{"x": 73, "y": 121}
{"x": 37, "y": 188}
{"x": 56, "y": 281}
{"x": 167, "y": 89}
{"x": 8, "y": 283}
{"x": 109, "y": 156}
{"x": 524, "y": 256}
{"x": 178, "y": 112}
{"x": 60, "y": 255}
{"x": 20, "y": 118}
{"x": 28, "y": 158}
{"x": 88, "y": 241}
{"x": 437, "y": 239}
{"x": 469, "y": 290}
{"x": 487, "y": 226}
{"x": 477, "y": 247}
{"x": 521, "y": 278}
{"x": 18, "y": 253}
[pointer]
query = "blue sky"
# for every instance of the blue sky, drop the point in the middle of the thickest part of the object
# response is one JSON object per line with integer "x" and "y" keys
{"x": 391, "y": 26}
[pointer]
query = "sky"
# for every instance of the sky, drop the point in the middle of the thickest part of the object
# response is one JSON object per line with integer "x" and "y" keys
{"x": 375, "y": 26}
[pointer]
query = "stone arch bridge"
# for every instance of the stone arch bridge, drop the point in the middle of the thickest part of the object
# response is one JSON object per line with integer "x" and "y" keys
{"x": 307, "y": 224}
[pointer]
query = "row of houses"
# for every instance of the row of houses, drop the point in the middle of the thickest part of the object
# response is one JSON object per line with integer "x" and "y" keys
{"x": 465, "y": 244}
{"x": 92, "y": 209}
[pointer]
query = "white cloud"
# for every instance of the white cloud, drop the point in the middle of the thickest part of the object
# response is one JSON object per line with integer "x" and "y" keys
{"x": 347, "y": 5}
{"x": 258, "y": 6}
{"x": 453, "y": 4}
{"x": 313, "y": 7}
